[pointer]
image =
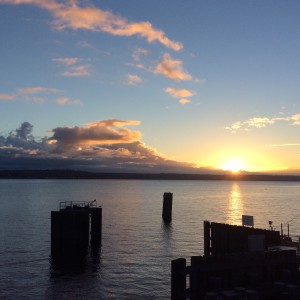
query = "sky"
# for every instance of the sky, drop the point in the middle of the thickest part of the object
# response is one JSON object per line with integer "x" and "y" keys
{"x": 195, "y": 86}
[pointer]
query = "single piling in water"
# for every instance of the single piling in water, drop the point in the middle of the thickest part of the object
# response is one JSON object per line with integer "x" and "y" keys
{"x": 167, "y": 207}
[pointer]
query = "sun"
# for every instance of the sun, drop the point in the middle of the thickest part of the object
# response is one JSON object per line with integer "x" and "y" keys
{"x": 234, "y": 166}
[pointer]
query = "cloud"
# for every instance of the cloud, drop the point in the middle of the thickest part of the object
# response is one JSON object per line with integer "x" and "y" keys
{"x": 177, "y": 93}
{"x": 69, "y": 14}
{"x": 139, "y": 52}
{"x": 133, "y": 79}
{"x": 283, "y": 145}
{"x": 261, "y": 122}
{"x": 69, "y": 61}
{"x": 106, "y": 145}
{"x": 172, "y": 69}
{"x": 38, "y": 95}
{"x": 7, "y": 97}
{"x": 66, "y": 101}
{"x": 96, "y": 133}
{"x": 73, "y": 68}
{"x": 35, "y": 90}
{"x": 184, "y": 101}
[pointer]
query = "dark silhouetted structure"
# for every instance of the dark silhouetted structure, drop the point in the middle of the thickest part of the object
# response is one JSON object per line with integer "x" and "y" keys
{"x": 167, "y": 207}
{"x": 237, "y": 264}
{"x": 71, "y": 229}
{"x": 223, "y": 238}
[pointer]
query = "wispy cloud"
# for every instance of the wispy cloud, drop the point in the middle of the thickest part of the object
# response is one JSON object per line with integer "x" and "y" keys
{"x": 184, "y": 101}
{"x": 39, "y": 95}
{"x": 133, "y": 79}
{"x": 261, "y": 122}
{"x": 181, "y": 94}
{"x": 283, "y": 145}
{"x": 178, "y": 93}
{"x": 172, "y": 68}
{"x": 68, "y": 14}
{"x": 7, "y": 97}
{"x": 139, "y": 52}
{"x": 66, "y": 101}
{"x": 68, "y": 61}
{"x": 36, "y": 90}
{"x": 73, "y": 67}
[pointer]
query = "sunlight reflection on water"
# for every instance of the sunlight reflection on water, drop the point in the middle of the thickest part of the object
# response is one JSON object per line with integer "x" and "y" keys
{"x": 235, "y": 205}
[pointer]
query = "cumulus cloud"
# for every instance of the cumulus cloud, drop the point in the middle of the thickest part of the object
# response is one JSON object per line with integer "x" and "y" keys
{"x": 172, "y": 68}
{"x": 74, "y": 15}
{"x": 261, "y": 122}
{"x": 96, "y": 133}
{"x": 102, "y": 145}
{"x": 133, "y": 79}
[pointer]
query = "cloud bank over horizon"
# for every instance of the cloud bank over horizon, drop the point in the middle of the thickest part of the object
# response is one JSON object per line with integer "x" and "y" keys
{"x": 107, "y": 146}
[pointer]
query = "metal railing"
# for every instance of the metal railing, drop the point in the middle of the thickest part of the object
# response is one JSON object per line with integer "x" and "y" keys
{"x": 77, "y": 204}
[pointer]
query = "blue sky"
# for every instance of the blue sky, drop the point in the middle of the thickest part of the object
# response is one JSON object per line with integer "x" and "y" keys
{"x": 185, "y": 86}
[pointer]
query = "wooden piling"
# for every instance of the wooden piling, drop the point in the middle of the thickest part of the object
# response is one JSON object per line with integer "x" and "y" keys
{"x": 96, "y": 228}
{"x": 207, "y": 238}
{"x": 70, "y": 231}
{"x": 167, "y": 207}
{"x": 178, "y": 279}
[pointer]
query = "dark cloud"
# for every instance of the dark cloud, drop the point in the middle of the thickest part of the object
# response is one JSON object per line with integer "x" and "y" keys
{"x": 107, "y": 146}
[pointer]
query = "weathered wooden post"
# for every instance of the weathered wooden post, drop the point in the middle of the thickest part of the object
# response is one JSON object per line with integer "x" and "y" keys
{"x": 178, "y": 279}
{"x": 167, "y": 207}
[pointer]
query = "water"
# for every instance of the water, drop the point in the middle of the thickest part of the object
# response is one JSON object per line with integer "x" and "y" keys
{"x": 137, "y": 248}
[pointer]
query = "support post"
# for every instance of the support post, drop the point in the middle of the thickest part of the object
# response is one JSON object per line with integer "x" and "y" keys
{"x": 178, "y": 279}
{"x": 167, "y": 207}
{"x": 55, "y": 234}
{"x": 96, "y": 228}
{"x": 207, "y": 238}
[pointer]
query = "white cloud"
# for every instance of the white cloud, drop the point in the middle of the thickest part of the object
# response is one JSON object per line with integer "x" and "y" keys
{"x": 261, "y": 122}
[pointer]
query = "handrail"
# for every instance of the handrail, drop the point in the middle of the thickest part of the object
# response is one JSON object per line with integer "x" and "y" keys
{"x": 77, "y": 204}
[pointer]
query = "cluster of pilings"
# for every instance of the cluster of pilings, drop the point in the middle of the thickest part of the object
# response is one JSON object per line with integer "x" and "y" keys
{"x": 75, "y": 227}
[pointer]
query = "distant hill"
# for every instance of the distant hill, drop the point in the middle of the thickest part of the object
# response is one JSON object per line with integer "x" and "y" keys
{"x": 73, "y": 174}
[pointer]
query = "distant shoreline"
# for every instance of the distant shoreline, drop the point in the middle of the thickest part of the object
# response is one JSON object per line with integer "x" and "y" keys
{"x": 73, "y": 174}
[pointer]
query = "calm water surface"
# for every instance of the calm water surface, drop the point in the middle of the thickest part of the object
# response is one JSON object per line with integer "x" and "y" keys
{"x": 137, "y": 248}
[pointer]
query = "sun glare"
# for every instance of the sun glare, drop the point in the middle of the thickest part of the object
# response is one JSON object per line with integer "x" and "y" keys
{"x": 234, "y": 166}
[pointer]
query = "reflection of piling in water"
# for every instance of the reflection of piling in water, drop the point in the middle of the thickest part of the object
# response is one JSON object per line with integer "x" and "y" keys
{"x": 70, "y": 230}
{"x": 167, "y": 207}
